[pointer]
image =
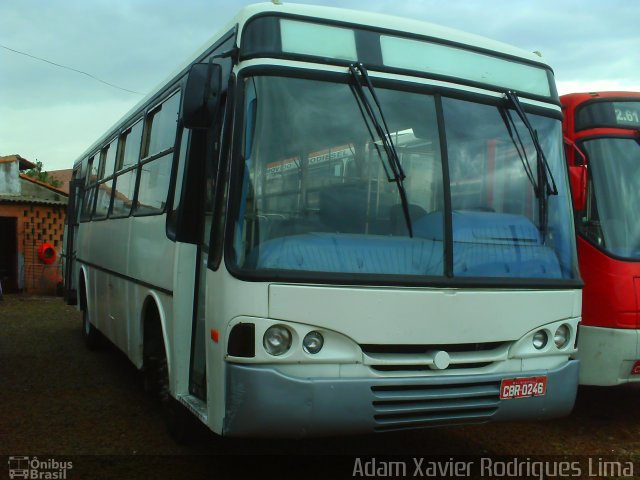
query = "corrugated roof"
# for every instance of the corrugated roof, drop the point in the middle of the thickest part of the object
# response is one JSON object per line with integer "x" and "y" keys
{"x": 28, "y": 200}
{"x": 35, "y": 192}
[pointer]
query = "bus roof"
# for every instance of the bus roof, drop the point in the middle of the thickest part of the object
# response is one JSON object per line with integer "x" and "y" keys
{"x": 387, "y": 22}
{"x": 571, "y": 100}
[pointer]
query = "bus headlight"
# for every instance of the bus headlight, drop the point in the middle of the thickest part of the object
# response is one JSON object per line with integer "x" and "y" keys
{"x": 313, "y": 342}
{"x": 562, "y": 336}
{"x": 277, "y": 340}
{"x": 540, "y": 339}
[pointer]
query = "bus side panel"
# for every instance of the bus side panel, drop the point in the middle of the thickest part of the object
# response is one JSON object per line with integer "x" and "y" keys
{"x": 150, "y": 258}
{"x": 151, "y": 252}
{"x": 107, "y": 257}
{"x": 120, "y": 280}
{"x": 609, "y": 293}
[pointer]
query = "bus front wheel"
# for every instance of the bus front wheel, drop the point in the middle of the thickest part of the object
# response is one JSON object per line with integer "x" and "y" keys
{"x": 90, "y": 334}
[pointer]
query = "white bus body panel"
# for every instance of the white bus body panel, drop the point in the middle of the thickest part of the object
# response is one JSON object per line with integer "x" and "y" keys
{"x": 421, "y": 316}
{"x": 120, "y": 279}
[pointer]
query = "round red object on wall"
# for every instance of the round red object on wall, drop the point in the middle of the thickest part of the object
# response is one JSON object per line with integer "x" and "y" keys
{"x": 47, "y": 254}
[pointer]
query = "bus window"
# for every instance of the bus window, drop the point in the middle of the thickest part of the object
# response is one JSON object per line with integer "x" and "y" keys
{"x": 177, "y": 193}
{"x": 162, "y": 126}
{"x": 330, "y": 176}
{"x": 103, "y": 199}
{"x": 125, "y": 182}
{"x": 92, "y": 171}
{"x": 611, "y": 221}
{"x": 87, "y": 204}
{"x": 109, "y": 154}
{"x": 83, "y": 169}
{"x": 123, "y": 194}
{"x": 154, "y": 184}
{"x": 155, "y": 171}
{"x": 130, "y": 147}
{"x": 487, "y": 173}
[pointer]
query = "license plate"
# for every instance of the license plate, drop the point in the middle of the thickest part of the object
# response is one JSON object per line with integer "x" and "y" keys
{"x": 523, "y": 387}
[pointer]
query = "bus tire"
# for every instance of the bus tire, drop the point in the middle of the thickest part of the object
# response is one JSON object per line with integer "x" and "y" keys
{"x": 90, "y": 334}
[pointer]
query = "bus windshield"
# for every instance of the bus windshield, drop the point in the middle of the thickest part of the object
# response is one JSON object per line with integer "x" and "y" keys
{"x": 611, "y": 220}
{"x": 317, "y": 194}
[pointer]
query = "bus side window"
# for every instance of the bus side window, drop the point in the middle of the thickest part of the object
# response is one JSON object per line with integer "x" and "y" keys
{"x": 109, "y": 159}
{"x": 105, "y": 186}
{"x": 88, "y": 194}
{"x": 87, "y": 204}
{"x": 125, "y": 181}
{"x": 103, "y": 200}
{"x": 130, "y": 143}
{"x": 155, "y": 167}
{"x": 177, "y": 193}
{"x": 92, "y": 173}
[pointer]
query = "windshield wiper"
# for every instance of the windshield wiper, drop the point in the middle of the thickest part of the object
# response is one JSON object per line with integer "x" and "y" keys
{"x": 510, "y": 124}
{"x": 394, "y": 172}
{"x": 546, "y": 184}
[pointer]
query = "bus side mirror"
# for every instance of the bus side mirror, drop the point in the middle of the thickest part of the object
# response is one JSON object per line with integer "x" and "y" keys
{"x": 577, "y": 174}
{"x": 201, "y": 96}
{"x": 578, "y": 180}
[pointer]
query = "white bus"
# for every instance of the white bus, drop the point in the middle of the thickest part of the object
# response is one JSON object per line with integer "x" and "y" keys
{"x": 335, "y": 222}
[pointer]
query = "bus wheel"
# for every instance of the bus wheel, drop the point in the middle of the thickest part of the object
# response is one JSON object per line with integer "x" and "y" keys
{"x": 90, "y": 334}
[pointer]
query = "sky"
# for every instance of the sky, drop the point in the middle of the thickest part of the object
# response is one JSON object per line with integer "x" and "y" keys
{"x": 52, "y": 114}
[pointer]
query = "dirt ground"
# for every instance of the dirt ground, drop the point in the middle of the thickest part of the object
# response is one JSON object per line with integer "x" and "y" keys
{"x": 59, "y": 400}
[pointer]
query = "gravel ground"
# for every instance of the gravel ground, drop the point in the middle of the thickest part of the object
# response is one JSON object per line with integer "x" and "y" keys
{"x": 58, "y": 400}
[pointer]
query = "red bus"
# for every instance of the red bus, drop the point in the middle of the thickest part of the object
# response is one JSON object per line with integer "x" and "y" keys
{"x": 602, "y": 141}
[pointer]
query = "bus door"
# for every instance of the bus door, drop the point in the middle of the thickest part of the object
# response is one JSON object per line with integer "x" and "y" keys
{"x": 198, "y": 371}
{"x": 71, "y": 233}
{"x": 202, "y": 172}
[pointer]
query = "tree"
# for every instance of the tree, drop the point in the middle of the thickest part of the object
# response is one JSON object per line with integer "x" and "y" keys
{"x": 42, "y": 176}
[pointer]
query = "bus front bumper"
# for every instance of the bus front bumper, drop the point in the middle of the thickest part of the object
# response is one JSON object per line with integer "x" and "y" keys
{"x": 261, "y": 402}
{"x": 607, "y": 355}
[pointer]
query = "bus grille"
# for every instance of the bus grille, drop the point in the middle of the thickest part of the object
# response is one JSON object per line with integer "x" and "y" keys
{"x": 420, "y": 358}
{"x": 415, "y": 406}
